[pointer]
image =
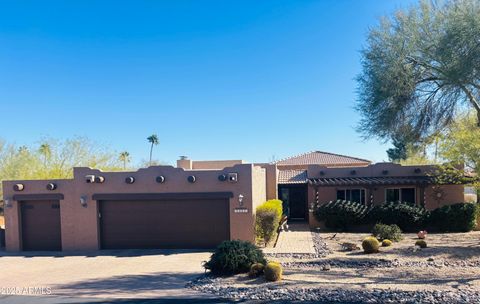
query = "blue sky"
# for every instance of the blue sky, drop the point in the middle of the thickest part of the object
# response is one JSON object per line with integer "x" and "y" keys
{"x": 214, "y": 79}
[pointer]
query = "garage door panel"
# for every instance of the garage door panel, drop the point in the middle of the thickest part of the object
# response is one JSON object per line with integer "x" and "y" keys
{"x": 164, "y": 223}
{"x": 41, "y": 228}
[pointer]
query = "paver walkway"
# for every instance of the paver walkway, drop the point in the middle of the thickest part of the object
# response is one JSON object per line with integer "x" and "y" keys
{"x": 298, "y": 239}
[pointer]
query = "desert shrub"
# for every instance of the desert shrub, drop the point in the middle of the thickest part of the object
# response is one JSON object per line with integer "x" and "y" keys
{"x": 268, "y": 216}
{"x": 232, "y": 257}
{"x": 341, "y": 214}
{"x": 391, "y": 232}
{"x": 407, "y": 216}
{"x": 370, "y": 245}
{"x": 455, "y": 218}
{"x": 349, "y": 246}
{"x": 421, "y": 244}
{"x": 273, "y": 271}
{"x": 256, "y": 270}
{"x": 386, "y": 243}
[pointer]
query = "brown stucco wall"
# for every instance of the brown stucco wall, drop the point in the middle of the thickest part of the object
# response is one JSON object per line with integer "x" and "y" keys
{"x": 438, "y": 196}
{"x": 424, "y": 193}
{"x": 259, "y": 192}
{"x": 271, "y": 171}
{"x": 80, "y": 224}
{"x": 451, "y": 194}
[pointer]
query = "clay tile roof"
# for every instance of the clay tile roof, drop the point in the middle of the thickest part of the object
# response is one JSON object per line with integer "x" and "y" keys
{"x": 322, "y": 158}
{"x": 292, "y": 176}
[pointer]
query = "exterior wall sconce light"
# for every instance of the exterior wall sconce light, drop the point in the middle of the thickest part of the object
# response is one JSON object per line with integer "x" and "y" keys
{"x": 130, "y": 180}
{"x": 240, "y": 200}
{"x": 8, "y": 203}
{"x": 83, "y": 201}
{"x": 51, "y": 186}
{"x": 18, "y": 187}
{"x": 191, "y": 179}
{"x": 222, "y": 177}
{"x": 160, "y": 179}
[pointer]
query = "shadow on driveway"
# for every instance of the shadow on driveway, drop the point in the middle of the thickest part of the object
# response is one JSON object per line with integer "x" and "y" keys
{"x": 124, "y": 253}
{"x": 163, "y": 283}
{"x": 70, "y": 300}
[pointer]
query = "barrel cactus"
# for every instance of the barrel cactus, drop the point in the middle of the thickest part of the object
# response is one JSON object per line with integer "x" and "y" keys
{"x": 370, "y": 245}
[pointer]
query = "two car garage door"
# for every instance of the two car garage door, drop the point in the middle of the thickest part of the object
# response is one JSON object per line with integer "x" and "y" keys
{"x": 163, "y": 223}
{"x": 133, "y": 222}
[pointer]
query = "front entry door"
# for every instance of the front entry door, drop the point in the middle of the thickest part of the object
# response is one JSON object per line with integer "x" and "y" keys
{"x": 294, "y": 199}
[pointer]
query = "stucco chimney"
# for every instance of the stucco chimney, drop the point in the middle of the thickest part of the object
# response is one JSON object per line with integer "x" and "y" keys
{"x": 184, "y": 163}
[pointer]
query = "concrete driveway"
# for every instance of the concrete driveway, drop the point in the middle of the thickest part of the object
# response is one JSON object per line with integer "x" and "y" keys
{"x": 101, "y": 274}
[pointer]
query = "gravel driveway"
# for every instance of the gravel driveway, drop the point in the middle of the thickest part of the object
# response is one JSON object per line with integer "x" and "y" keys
{"x": 105, "y": 274}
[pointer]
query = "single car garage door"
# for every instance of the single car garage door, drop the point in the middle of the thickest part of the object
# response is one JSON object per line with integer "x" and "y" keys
{"x": 41, "y": 225}
{"x": 164, "y": 223}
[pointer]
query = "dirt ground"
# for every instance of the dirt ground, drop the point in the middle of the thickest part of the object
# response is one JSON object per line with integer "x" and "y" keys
{"x": 415, "y": 269}
{"x": 444, "y": 246}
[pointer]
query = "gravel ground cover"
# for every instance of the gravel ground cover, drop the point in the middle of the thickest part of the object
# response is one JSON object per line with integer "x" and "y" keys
{"x": 447, "y": 271}
{"x": 272, "y": 291}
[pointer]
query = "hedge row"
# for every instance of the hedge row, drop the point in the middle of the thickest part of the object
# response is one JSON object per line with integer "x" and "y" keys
{"x": 342, "y": 215}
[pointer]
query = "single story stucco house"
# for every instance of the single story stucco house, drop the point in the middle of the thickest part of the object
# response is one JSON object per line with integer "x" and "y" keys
{"x": 198, "y": 204}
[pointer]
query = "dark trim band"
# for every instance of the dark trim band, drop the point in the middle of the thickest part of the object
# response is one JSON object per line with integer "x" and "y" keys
{"x": 38, "y": 197}
{"x": 160, "y": 196}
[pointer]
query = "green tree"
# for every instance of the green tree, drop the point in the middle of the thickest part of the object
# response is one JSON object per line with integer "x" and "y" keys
{"x": 398, "y": 152}
{"x": 46, "y": 152}
{"x": 461, "y": 143}
{"x": 420, "y": 67}
{"x": 124, "y": 158}
{"x": 153, "y": 140}
{"x": 460, "y": 147}
{"x": 25, "y": 163}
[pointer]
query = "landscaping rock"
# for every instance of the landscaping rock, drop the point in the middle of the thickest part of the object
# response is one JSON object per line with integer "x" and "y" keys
{"x": 378, "y": 263}
{"x": 322, "y": 295}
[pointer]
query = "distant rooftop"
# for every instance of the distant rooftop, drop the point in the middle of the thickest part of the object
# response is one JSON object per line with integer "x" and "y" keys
{"x": 322, "y": 158}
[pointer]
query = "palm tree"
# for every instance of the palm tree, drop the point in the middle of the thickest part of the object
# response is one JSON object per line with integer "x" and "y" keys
{"x": 125, "y": 158}
{"x": 46, "y": 151}
{"x": 153, "y": 139}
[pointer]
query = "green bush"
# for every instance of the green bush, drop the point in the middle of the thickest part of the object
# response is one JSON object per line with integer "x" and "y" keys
{"x": 407, "y": 216}
{"x": 268, "y": 216}
{"x": 256, "y": 270}
{"x": 232, "y": 257}
{"x": 455, "y": 218}
{"x": 370, "y": 245}
{"x": 421, "y": 244}
{"x": 341, "y": 214}
{"x": 273, "y": 271}
{"x": 386, "y": 243}
{"x": 390, "y": 232}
